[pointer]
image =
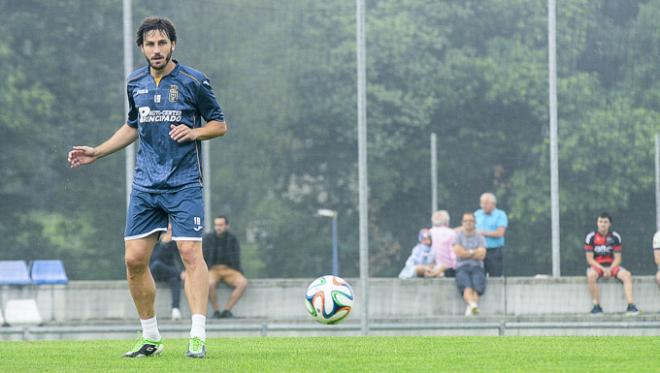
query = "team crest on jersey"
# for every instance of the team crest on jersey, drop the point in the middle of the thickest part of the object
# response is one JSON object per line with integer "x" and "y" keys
{"x": 174, "y": 93}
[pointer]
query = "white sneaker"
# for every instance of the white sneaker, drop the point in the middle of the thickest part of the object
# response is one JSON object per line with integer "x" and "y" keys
{"x": 468, "y": 311}
{"x": 176, "y": 314}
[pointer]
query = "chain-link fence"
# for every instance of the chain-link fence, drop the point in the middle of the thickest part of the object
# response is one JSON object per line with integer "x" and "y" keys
{"x": 474, "y": 73}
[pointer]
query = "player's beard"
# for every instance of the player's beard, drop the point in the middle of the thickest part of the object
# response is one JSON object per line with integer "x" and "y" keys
{"x": 167, "y": 60}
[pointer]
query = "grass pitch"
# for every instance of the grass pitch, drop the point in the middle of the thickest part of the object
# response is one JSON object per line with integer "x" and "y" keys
{"x": 347, "y": 354}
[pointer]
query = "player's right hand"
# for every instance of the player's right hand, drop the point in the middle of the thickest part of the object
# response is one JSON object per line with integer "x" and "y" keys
{"x": 81, "y": 155}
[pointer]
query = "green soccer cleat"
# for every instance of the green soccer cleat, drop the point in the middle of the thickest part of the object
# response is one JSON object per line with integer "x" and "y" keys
{"x": 145, "y": 348}
{"x": 196, "y": 348}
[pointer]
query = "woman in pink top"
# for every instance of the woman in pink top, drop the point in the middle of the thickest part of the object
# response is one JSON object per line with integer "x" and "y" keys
{"x": 442, "y": 238}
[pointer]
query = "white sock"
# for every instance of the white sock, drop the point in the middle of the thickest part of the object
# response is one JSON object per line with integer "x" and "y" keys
{"x": 150, "y": 329}
{"x": 198, "y": 328}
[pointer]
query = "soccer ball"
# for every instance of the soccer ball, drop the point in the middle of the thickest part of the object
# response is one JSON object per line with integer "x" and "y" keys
{"x": 329, "y": 299}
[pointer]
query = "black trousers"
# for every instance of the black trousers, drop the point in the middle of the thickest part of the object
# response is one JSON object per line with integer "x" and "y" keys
{"x": 494, "y": 262}
{"x": 169, "y": 274}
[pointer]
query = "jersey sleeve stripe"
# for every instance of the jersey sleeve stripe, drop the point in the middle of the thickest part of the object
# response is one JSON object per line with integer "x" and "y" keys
{"x": 136, "y": 77}
{"x": 589, "y": 238}
{"x": 190, "y": 76}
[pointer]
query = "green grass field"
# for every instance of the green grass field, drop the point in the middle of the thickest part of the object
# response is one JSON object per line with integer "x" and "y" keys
{"x": 358, "y": 354}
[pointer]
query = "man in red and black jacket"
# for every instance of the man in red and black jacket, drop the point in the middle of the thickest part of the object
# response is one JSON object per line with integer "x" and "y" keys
{"x": 603, "y": 252}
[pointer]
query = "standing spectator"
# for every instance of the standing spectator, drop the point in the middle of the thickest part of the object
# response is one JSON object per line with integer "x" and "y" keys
{"x": 470, "y": 249}
{"x": 223, "y": 254}
{"x": 165, "y": 266}
{"x": 443, "y": 238}
{"x": 492, "y": 224}
{"x": 656, "y": 254}
{"x": 603, "y": 251}
{"x": 422, "y": 258}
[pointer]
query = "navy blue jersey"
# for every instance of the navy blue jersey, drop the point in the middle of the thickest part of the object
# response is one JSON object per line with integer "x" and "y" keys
{"x": 185, "y": 97}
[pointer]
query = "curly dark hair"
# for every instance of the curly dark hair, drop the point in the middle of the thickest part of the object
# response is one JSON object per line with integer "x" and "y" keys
{"x": 161, "y": 24}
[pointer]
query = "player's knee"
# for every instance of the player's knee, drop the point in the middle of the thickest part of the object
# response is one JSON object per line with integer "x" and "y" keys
{"x": 190, "y": 255}
{"x": 135, "y": 263}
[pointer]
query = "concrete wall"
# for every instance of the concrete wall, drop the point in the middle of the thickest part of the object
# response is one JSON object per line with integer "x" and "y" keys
{"x": 282, "y": 299}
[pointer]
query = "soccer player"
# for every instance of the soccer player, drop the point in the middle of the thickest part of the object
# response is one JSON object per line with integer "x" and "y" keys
{"x": 167, "y": 101}
{"x": 603, "y": 252}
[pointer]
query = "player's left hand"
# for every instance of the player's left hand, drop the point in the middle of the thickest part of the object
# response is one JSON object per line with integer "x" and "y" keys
{"x": 182, "y": 133}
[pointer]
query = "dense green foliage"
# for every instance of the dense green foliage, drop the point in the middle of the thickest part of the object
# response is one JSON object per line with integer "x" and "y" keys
{"x": 335, "y": 354}
{"x": 474, "y": 72}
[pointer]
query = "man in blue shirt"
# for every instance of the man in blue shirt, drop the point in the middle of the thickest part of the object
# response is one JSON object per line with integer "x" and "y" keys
{"x": 167, "y": 102}
{"x": 492, "y": 224}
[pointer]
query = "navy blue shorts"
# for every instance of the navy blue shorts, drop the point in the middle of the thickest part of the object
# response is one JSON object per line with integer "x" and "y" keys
{"x": 471, "y": 276}
{"x": 149, "y": 213}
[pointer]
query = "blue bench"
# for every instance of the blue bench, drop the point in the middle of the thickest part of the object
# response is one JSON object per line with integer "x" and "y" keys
{"x": 14, "y": 272}
{"x": 48, "y": 272}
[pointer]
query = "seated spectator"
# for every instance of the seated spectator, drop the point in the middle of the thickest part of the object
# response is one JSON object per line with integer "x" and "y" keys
{"x": 165, "y": 266}
{"x": 223, "y": 256}
{"x": 656, "y": 254}
{"x": 422, "y": 258}
{"x": 442, "y": 238}
{"x": 470, "y": 249}
{"x": 603, "y": 253}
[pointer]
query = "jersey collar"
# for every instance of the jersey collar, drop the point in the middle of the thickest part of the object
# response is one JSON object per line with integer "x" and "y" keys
{"x": 174, "y": 71}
